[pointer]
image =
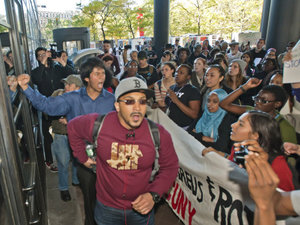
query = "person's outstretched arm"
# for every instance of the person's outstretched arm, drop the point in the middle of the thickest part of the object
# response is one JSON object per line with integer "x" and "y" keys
{"x": 53, "y": 106}
{"x": 227, "y": 103}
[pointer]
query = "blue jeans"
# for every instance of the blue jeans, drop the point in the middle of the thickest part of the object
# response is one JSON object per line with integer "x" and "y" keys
{"x": 61, "y": 150}
{"x": 105, "y": 215}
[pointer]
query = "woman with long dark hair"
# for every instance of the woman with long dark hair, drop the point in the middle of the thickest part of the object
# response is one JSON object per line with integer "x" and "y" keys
{"x": 161, "y": 87}
{"x": 261, "y": 130}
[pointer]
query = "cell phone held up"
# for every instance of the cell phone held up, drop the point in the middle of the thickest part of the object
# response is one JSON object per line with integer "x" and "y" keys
{"x": 239, "y": 156}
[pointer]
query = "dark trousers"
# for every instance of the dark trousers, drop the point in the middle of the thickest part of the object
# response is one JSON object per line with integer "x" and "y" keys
{"x": 47, "y": 139}
{"x": 87, "y": 180}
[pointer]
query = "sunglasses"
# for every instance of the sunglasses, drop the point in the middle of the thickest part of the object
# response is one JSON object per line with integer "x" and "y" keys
{"x": 133, "y": 101}
{"x": 258, "y": 99}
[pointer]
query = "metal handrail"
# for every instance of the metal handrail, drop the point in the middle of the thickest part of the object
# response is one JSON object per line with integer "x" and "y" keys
{"x": 17, "y": 114}
{"x": 31, "y": 181}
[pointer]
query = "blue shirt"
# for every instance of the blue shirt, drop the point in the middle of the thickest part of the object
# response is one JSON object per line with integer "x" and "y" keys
{"x": 12, "y": 94}
{"x": 71, "y": 104}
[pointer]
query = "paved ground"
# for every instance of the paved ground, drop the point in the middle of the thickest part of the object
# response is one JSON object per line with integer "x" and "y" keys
{"x": 60, "y": 212}
{"x": 72, "y": 213}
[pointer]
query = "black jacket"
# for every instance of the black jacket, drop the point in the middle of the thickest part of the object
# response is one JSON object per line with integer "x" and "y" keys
{"x": 48, "y": 79}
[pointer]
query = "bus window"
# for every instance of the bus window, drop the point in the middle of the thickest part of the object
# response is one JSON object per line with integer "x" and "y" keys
{"x": 6, "y": 51}
{"x": 17, "y": 11}
{"x": 3, "y": 18}
{"x": 72, "y": 46}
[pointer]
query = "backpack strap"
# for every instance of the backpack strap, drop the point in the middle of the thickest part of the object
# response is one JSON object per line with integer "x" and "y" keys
{"x": 97, "y": 128}
{"x": 156, "y": 141}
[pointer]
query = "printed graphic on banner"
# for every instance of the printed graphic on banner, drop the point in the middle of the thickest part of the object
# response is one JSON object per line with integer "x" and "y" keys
{"x": 291, "y": 69}
{"x": 208, "y": 190}
{"x": 202, "y": 201}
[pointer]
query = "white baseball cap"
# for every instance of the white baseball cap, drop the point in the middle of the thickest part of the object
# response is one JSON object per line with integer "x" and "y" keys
{"x": 133, "y": 84}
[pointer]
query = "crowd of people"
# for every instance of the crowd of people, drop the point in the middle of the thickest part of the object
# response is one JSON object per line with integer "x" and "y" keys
{"x": 226, "y": 96}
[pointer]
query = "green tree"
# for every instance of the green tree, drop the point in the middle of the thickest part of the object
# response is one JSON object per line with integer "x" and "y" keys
{"x": 194, "y": 9}
{"x": 214, "y": 17}
{"x": 78, "y": 21}
{"x": 52, "y": 24}
{"x": 129, "y": 15}
{"x": 90, "y": 18}
{"x": 115, "y": 27}
{"x": 118, "y": 18}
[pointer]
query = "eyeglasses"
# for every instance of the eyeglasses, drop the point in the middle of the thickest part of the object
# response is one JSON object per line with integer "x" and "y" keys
{"x": 263, "y": 101}
{"x": 133, "y": 101}
{"x": 43, "y": 54}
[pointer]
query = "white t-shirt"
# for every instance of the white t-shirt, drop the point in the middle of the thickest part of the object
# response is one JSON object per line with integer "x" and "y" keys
{"x": 295, "y": 197}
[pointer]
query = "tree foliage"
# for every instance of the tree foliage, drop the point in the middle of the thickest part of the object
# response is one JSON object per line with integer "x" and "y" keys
{"x": 215, "y": 16}
{"x": 117, "y": 19}
{"x": 54, "y": 24}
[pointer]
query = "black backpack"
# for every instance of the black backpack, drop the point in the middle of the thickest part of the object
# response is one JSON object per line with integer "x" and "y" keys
{"x": 154, "y": 135}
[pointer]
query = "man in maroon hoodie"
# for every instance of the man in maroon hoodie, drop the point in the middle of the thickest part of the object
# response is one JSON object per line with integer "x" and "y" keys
{"x": 125, "y": 156}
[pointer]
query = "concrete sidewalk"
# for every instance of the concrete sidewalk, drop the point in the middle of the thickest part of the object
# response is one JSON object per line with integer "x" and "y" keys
{"x": 72, "y": 212}
{"x": 60, "y": 212}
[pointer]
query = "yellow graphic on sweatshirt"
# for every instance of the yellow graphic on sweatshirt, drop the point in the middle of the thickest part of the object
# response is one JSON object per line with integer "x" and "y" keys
{"x": 124, "y": 157}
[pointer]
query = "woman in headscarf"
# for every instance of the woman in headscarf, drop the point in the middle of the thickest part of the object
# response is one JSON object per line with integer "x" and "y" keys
{"x": 213, "y": 128}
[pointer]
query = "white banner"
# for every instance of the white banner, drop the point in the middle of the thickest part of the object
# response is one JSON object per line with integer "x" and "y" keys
{"x": 291, "y": 69}
{"x": 208, "y": 190}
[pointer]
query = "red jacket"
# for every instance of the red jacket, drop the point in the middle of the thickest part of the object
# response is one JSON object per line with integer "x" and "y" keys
{"x": 124, "y": 164}
{"x": 281, "y": 168}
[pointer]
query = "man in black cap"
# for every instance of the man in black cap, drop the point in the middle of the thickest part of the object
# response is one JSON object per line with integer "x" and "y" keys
{"x": 125, "y": 158}
{"x": 146, "y": 70}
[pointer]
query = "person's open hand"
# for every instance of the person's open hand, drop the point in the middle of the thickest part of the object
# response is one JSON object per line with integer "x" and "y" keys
{"x": 290, "y": 148}
{"x": 252, "y": 83}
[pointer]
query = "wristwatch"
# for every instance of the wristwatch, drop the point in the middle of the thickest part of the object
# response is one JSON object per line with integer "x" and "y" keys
{"x": 155, "y": 196}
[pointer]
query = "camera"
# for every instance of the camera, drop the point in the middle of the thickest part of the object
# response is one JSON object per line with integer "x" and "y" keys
{"x": 54, "y": 53}
{"x": 239, "y": 156}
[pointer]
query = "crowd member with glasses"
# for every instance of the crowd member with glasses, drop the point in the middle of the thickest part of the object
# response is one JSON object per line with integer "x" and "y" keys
{"x": 93, "y": 98}
{"x": 270, "y": 99}
{"x": 125, "y": 156}
{"x": 131, "y": 69}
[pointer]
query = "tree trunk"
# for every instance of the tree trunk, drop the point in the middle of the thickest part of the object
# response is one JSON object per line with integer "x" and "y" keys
{"x": 103, "y": 32}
